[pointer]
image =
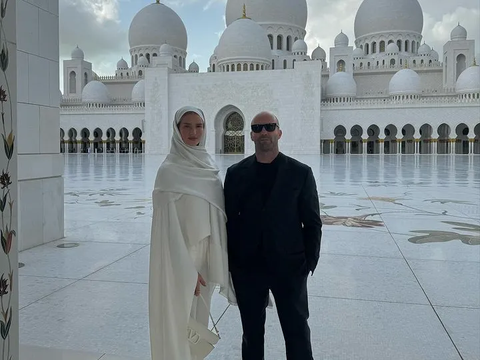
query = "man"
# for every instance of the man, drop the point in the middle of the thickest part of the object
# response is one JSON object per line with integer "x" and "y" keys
{"x": 274, "y": 232}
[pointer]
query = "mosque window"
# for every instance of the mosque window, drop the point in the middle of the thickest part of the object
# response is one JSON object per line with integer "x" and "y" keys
{"x": 414, "y": 62}
{"x": 127, "y": 74}
{"x": 263, "y": 67}
{"x": 258, "y": 67}
{"x": 233, "y": 67}
{"x": 382, "y": 46}
{"x": 136, "y": 59}
{"x": 406, "y": 45}
{"x": 273, "y": 63}
{"x": 279, "y": 42}
{"x": 228, "y": 67}
{"x": 368, "y": 65}
{"x": 270, "y": 38}
{"x": 289, "y": 43}
{"x": 374, "y": 47}
{"x": 252, "y": 67}
{"x": 180, "y": 62}
{"x": 85, "y": 79}
{"x": 430, "y": 62}
{"x": 293, "y": 64}
{"x": 284, "y": 64}
{"x": 213, "y": 67}
{"x": 239, "y": 67}
{"x": 414, "y": 47}
{"x": 148, "y": 57}
{"x": 73, "y": 82}
{"x": 245, "y": 67}
{"x": 140, "y": 73}
{"x": 461, "y": 64}
{"x": 361, "y": 65}
{"x": 392, "y": 62}
{"x": 399, "y": 44}
{"x": 340, "y": 65}
{"x": 154, "y": 54}
{"x": 367, "y": 49}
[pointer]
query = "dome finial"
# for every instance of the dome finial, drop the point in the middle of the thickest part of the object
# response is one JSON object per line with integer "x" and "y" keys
{"x": 244, "y": 15}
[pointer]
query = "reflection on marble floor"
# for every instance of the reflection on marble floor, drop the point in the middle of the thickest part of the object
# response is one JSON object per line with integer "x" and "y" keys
{"x": 398, "y": 276}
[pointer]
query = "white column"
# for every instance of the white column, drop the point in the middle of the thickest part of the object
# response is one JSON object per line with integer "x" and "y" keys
{"x": 332, "y": 147}
{"x": 470, "y": 146}
{"x": 417, "y": 146}
{"x": 434, "y": 146}
{"x": 364, "y": 146}
{"x": 348, "y": 147}
{"x": 399, "y": 146}
{"x": 9, "y": 166}
{"x": 382, "y": 147}
{"x": 453, "y": 146}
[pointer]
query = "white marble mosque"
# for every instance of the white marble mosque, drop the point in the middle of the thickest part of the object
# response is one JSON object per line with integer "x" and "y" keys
{"x": 398, "y": 276}
{"x": 388, "y": 92}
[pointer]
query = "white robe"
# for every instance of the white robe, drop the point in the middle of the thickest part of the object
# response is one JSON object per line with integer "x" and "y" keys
{"x": 187, "y": 235}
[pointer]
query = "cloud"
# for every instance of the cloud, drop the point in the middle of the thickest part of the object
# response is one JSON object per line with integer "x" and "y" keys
{"x": 94, "y": 26}
{"x": 437, "y": 32}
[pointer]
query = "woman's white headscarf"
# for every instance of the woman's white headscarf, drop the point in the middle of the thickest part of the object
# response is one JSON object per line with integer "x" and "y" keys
{"x": 190, "y": 169}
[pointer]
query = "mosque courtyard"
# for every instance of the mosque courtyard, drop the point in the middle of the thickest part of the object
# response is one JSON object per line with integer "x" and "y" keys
{"x": 398, "y": 277}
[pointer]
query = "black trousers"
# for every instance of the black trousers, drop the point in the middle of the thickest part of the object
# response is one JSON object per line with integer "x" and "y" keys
{"x": 290, "y": 293}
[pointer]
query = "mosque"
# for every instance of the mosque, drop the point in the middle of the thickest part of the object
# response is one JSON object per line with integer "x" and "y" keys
{"x": 388, "y": 93}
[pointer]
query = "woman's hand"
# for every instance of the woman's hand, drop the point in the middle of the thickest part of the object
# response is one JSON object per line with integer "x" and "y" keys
{"x": 200, "y": 281}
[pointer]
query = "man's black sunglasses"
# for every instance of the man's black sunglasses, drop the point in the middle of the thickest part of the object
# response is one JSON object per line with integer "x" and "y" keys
{"x": 257, "y": 128}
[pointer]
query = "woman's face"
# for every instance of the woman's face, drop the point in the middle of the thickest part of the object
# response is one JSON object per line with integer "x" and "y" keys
{"x": 191, "y": 129}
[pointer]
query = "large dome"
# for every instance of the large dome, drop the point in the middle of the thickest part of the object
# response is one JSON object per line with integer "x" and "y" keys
{"x": 138, "y": 92}
{"x": 96, "y": 92}
{"x": 469, "y": 81}
{"x": 287, "y": 12}
{"x": 381, "y": 16}
{"x": 405, "y": 82}
{"x": 341, "y": 84}
{"x": 244, "y": 39}
{"x": 157, "y": 24}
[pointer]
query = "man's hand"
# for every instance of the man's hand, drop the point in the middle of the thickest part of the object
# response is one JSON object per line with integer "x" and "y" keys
{"x": 200, "y": 281}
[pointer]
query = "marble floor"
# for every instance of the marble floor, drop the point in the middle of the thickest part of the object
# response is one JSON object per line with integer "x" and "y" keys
{"x": 398, "y": 278}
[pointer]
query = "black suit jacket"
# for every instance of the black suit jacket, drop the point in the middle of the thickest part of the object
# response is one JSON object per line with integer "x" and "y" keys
{"x": 285, "y": 232}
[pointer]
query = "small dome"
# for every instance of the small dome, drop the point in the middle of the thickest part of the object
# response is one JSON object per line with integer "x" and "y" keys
{"x": 469, "y": 81}
{"x": 424, "y": 49}
{"x": 122, "y": 64}
{"x": 341, "y": 84}
{"x": 434, "y": 54}
{"x": 459, "y": 33}
{"x": 77, "y": 54}
{"x": 166, "y": 50}
{"x": 193, "y": 67}
{"x": 244, "y": 39}
{"x": 392, "y": 48}
{"x": 96, "y": 92}
{"x": 405, "y": 82}
{"x": 319, "y": 54}
{"x": 341, "y": 40}
{"x": 138, "y": 92}
{"x": 358, "y": 53}
{"x": 142, "y": 61}
{"x": 157, "y": 24}
{"x": 300, "y": 46}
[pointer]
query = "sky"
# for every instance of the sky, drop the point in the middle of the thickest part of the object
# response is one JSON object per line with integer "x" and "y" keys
{"x": 100, "y": 27}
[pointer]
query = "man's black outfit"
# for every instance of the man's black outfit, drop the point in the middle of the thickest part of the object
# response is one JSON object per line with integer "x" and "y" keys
{"x": 274, "y": 232}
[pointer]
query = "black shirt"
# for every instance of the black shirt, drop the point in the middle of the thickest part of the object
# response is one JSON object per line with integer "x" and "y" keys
{"x": 266, "y": 174}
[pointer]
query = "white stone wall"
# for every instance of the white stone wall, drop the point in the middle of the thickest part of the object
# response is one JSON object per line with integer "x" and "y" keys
{"x": 40, "y": 166}
{"x": 121, "y": 89}
{"x": 293, "y": 95}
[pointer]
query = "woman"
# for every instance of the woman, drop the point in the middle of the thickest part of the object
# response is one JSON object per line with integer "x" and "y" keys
{"x": 188, "y": 251}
